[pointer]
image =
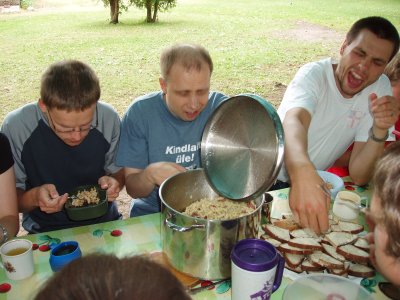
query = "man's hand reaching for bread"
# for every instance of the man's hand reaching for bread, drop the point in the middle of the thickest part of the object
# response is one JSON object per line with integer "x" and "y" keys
{"x": 309, "y": 203}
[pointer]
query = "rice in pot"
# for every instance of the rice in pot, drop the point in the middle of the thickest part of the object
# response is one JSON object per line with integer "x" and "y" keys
{"x": 219, "y": 209}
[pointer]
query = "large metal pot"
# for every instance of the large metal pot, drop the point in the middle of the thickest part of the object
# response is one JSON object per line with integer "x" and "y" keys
{"x": 200, "y": 247}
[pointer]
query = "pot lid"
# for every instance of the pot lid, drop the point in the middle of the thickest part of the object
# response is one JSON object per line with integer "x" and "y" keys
{"x": 242, "y": 147}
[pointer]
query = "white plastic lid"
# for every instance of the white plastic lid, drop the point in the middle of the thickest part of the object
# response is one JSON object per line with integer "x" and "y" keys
{"x": 325, "y": 286}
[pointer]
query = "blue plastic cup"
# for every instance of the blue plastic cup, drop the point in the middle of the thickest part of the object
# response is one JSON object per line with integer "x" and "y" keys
{"x": 63, "y": 254}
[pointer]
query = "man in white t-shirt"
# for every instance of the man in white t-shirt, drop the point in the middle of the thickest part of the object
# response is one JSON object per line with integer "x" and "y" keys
{"x": 327, "y": 106}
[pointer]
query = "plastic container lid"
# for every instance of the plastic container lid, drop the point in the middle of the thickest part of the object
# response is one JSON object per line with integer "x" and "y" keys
{"x": 325, "y": 286}
{"x": 254, "y": 255}
{"x": 242, "y": 147}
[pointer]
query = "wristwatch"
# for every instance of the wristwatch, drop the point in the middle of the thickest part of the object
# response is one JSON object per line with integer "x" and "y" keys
{"x": 3, "y": 234}
{"x": 375, "y": 139}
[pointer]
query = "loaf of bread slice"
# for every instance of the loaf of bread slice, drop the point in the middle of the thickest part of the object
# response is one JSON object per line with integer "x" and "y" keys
{"x": 296, "y": 269}
{"x": 330, "y": 250}
{"x": 305, "y": 243}
{"x": 308, "y": 266}
{"x": 354, "y": 254}
{"x": 361, "y": 271}
{"x": 286, "y": 248}
{"x": 303, "y": 232}
{"x": 325, "y": 260}
{"x": 278, "y": 233}
{"x": 270, "y": 240}
{"x": 288, "y": 224}
{"x": 338, "y": 272}
{"x": 335, "y": 227}
{"x": 350, "y": 227}
{"x": 293, "y": 260}
{"x": 337, "y": 239}
{"x": 362, "y": 244}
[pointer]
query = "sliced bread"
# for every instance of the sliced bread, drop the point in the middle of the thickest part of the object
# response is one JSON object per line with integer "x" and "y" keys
{"x": 325, "y": 260}
{"x": 296, "y": 269}
{"x": 293, "y": 260}
{"x": 270, "y": 240}
{"x": 330, "y": 250}
{"x": 362, "y": 244}
{"x": 288, "y": 224}
{"x": 278, "y": 233}
{"x": 350, "y": 227}
{"x": 305, "y": 243}
{"x": 361, "y": 271}
{"x": 338, "y": 272}
{"x": 337, "y": 239}
{"x": 308, "y": 266}
{"x": 353, "y": 253}
{"x": 303, "y": 232}
{"x": 286, "y": 248}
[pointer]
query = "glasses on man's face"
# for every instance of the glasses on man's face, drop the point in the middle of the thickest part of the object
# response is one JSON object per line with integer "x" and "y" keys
{"x": 65, "y": 130}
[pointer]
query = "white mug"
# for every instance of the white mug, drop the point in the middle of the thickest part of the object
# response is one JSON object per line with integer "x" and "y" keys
{"x": 17, "y": 259}
{"x": 346, "y": 210}
{"x": 257, "y": 269}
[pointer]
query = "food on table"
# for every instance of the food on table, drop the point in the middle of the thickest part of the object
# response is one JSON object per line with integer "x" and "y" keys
{"x": 340, "y": 251}
{"x": 86, "y": 197}
{"x": 219, "y": 209}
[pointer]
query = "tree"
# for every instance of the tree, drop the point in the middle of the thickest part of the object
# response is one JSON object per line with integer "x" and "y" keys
{"x": 114, "y": 11}
{"x": 152, "y": 8}
{"x": 116, "y": 6}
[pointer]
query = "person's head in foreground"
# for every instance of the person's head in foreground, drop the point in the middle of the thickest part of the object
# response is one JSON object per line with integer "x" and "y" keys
{"x": 384, "y": 216}
{"x": 69, "y": 93}
{"x": 393, "y": 72}
{"x": 369, "y": 46}
{"x": 185, "y": 79}
{"x": 107, "y": 277}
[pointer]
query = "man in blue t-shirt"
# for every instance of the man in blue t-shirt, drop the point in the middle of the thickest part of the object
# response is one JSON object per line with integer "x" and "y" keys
{"x": 161, "y": 131}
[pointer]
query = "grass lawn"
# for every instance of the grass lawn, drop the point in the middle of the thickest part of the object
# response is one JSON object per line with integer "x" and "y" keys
{"x": 256, "y": 45}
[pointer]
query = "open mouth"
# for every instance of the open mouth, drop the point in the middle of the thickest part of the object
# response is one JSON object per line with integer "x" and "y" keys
{"x": 192, "y": 115}
{"x": 354, "y": 80}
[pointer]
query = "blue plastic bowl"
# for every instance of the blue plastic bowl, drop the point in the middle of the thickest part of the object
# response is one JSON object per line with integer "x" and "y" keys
{"x": 332, "y": 179}
{"x": 63, "y": 254}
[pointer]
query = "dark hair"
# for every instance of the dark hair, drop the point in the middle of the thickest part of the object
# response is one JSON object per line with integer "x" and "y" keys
{"x": 107, "y": 277}
{"x": 381, "y": 27}
{"x": 386, "y": 183}
{"x": 188, "y": 55}
{"x": 69, "y": 85}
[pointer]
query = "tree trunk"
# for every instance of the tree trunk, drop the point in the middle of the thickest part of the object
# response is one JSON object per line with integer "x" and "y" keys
{"x": 155, "y": 11}
{"x": 114, "y": 11}
{"x": 148, "y": 8}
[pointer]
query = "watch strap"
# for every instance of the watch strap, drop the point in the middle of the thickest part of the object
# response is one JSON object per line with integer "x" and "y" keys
{"x": 376, "y": 139}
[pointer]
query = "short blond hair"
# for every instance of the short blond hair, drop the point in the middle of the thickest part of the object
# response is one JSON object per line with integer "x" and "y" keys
{"x": 190, "y": 56}
{"x": 392, "y": 69}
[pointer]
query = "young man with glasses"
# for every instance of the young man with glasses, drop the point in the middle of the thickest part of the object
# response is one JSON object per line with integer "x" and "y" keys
{"x": 65, "y": 140}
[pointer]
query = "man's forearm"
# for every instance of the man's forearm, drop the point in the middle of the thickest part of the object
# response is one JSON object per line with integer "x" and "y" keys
{"x": 27, "y": 200}
{"x": 137, "y": 185}
{"x": 362, "y": 161}
{"x": 296, "y": 155}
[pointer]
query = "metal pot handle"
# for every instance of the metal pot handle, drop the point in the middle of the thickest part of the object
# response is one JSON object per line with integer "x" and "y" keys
{"x": 180, "y": 228}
